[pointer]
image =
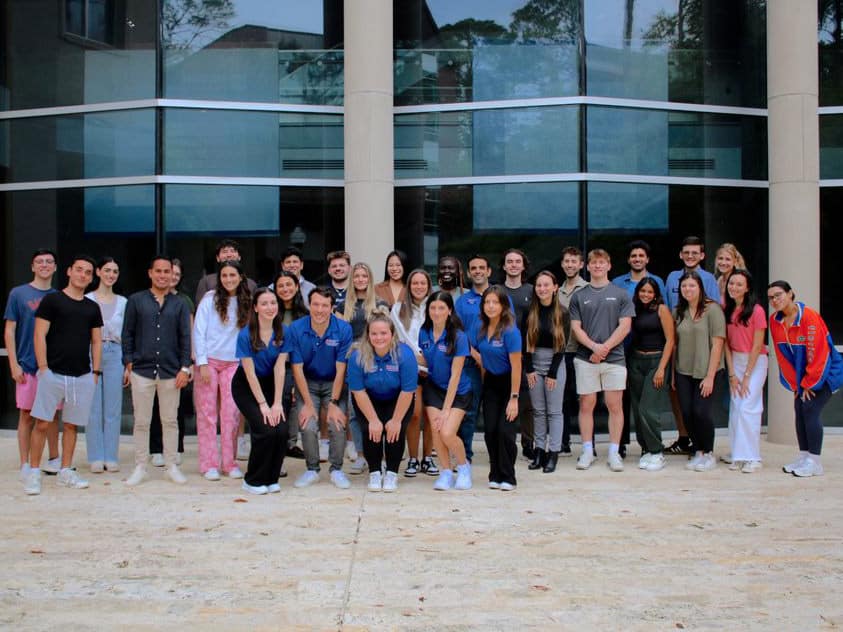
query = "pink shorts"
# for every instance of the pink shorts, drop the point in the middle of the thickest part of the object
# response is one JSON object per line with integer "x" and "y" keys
{"x": 25, "y": 393}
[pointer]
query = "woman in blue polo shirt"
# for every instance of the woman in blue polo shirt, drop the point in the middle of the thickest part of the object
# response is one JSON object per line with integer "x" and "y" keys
{"x": 257, "y": 389}
{"x": 447, "y": 391}
{"x": 382, "y": 378}
{"x": 496, "y": 346}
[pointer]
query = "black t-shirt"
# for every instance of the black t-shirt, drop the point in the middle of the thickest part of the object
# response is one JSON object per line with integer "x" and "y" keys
{"x": 69, "y": 337}
{"x": 521, "y": 297}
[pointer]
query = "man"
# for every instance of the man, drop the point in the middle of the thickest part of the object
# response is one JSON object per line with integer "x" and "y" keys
{"x": 227, "y": 250}
{"x": 572, "y": 265}
{"x": 68, "y": 352}
{"x": 292, "y": 261}
{"x": 692, "y": 255}
{"x": 601, "y": 316}
{"x": 514, "y": 265}
{"x": 20, "y": 326}
{"x": 449, "y": 277}
{"x": 339, "y": 267}
{"x": 156, "y": 357}
{"x": 320, "y": 344}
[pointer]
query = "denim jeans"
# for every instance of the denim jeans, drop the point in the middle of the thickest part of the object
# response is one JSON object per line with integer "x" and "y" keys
{"x": 102, "y": 434}
{"x": 320, "y": 394}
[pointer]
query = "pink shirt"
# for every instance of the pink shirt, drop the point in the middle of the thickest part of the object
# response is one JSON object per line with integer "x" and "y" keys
{"x": 740, "y": 336}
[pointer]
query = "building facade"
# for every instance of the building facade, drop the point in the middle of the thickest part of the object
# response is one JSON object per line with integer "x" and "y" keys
{"x": 433, "y": 126}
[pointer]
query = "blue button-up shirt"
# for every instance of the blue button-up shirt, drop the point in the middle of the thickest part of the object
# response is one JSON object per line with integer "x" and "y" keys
{"x": 390, "y": 375}
{"x": 712, "y": 290}
{"x": 626, "y": 282}
{"x": 319, "y": 354}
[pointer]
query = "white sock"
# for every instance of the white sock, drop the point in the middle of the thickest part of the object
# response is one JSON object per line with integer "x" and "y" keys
{"x": 613, "y": 448}
{"x": 587, "y": 447}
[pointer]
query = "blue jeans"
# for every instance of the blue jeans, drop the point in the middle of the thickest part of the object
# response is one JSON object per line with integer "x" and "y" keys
{"x": 469, "y": 422}
{"x": 102, "y": 434}
{"x": 354, "y": 425}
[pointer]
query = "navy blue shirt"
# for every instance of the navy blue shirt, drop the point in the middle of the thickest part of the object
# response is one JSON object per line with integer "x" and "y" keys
{"x": 495, "y": 352}
{"x": 390, "y": 376}
{"x": 439, "y": 363}
{"x": 319, "y": 354}
{"x": 156, "y": 338}
{"x": 468, "y": 308}
{"x": 265, "y": 357}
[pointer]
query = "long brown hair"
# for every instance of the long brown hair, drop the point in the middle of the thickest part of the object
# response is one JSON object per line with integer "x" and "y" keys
{"x": 405, "y": 312}
{"x": 254, "y": 323}
{"x": 241, "y": 293}
{"x": 507, "y": 319}
{"x": 556, "y": 319}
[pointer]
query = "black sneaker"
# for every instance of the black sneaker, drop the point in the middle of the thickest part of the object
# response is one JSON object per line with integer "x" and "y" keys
{"x": 412, "y": 468}
{"x": 295, "y": 452}
{"x": 428, "y": 466}
{"x": 566, "y": 451}
{"x": 528, "y": 452}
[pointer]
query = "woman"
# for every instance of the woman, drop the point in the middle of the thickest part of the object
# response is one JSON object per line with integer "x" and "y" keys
{"x": 408, "y": 316}
{"x": 447, "y": 390}
{"x": 257, "y": 389}
{"x": 809, "y": 366}
{"x": 544, "y": 359}
{"x": 382, "y": 378}
{"x": 221, "y": 314}
{"x": 651, "y": 347}
{"x": 356, "y": 310}
{"x": 746, "y": 361}
{"x": 496, "y": 347}
{"x": 393, "y": 288}
{"x": 291, "y": 305}
{"x": 102, "y": 435}
{"x": 727, "y": 259}
{"x": 700, "y": 335}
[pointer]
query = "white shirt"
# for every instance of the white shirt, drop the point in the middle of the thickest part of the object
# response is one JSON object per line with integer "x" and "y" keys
{"x": 409, "y": 335}
{"x": 211, "y": 337}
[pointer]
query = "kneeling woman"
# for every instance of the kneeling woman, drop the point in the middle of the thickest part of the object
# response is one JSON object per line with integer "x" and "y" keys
{"x": 257, "y": 389}
{"x": 382, "y": 378}
{"x": 496, "y": 346}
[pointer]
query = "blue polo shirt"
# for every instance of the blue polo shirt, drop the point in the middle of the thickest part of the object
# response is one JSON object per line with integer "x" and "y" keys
{"x": 468, "y": 308}
{"x": 712, "y": 290}
{"x": 265, "y": 357}
{"x": 319, "y": 354}
{"x": 439, "y": 363}
{"x": 495, "y": 352}
{"x": 625, "y": 281}
{"x": 390, "y": 376}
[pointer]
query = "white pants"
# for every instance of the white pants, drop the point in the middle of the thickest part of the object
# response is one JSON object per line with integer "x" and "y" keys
{"x": 745, "y": 412}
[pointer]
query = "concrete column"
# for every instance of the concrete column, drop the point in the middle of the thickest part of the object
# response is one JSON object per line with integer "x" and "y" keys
{"x": 369, "y": 175}
{"x": 793, "y": 156}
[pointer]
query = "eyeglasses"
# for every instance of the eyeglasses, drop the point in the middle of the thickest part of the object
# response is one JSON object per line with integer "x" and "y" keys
{"x": 776, "y": 297}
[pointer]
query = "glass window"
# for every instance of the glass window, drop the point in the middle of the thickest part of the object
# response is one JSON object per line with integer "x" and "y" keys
{"x": 831, "y": 146}
{"x": 221, "y": 210}
{"x": 98, "y": 145}
{"x": 658, "y": 142}
{"x": 247, "y": 50}
{"x": 831, "y": 201}
{"x": 77, "y": 51}
{"x": 478, "y": 50}
{"x": 487, "y": 142}
{"x": 830, "y": 36}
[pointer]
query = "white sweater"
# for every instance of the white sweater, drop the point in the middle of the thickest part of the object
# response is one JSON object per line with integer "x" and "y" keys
{"x": 211, "y": 337}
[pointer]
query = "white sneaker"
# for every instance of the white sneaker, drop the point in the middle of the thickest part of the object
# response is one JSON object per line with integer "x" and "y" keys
{"x": 112, "y": 466}
{"x": 463, "y": 477}
{"x": 507, "y": 487}
{"x": 178, "y": 458}
{"x": 735, "y": 465}
{"x": 25, "y": 469}
{"x": 52, "y": 466}
{"x": 358, "y": 467}
{"x": 324, "y": 449}
{"x": 137, "y": 477}
{"x": 235, "y": 472}
{"x": 258, "y": 490}
{"x": 656, "y": 463}
{"x": 494, "y": 485}
{"x": 158, "y": 460}
{"x": 69, "y": 478}
{"x": 244, "y": 446}
{"x": 375, "y": 482}
{"x": 585, "y": 461}
{"x": 809, "y": 467}
{"x": 706, "y": 463}
{"x": 307, "y": 479}
{"x": 615, "y": 462}
{"x": 339, "y": 479}
{"x": 693, "y": 461}
{"x": 726, "y": 458}
{"x": 790, "y": 467}
{"x": 212, "y": 475}
{"x": 97, "y": 467}
{"x": 273, "y": 488}
{"x": 390, "y": 482}
{"x": 644, "y": 461}
{"x": 351, "y": 451}
{"x": 751, "y": 466}
{"x": 32, "y": 484}
{"x": 444, "y": 481}
{"x": 175, "y": 475}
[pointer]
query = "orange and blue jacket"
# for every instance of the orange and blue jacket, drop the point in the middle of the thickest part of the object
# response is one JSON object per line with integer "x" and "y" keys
{"x": 806, "y": 354}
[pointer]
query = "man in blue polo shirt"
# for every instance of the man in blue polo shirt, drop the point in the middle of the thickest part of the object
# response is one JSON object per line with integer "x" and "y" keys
{"x": 319, "y": 350}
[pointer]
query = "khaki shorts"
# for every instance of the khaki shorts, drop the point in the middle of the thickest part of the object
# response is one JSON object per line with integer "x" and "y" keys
{"x": 593, "y": 378}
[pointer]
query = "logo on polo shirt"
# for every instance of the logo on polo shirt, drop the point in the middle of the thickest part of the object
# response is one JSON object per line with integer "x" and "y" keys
{"x": 393, "y": 368}
{"x": 442, "y": 347}
{"x": 497, "y": 343}
{"x": 332, "y": 342}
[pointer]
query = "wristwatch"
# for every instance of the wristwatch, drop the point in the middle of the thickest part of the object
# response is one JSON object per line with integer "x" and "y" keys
{"x": 185, "y": 369}
{"x": 513, "y": 396}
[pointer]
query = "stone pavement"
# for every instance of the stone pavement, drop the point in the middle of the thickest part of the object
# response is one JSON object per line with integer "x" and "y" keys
{"x": 570, "y": 550}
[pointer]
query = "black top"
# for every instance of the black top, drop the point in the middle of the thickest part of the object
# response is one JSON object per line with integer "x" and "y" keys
{"x": 156, "y": 338}
{"x": 647, "y": 332}
{"x": 69, "y": 336}
{"x": 521, "y": 297}
{"x": 545, "y": 339}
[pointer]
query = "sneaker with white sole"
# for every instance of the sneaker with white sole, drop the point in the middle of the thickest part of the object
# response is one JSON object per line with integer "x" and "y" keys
{"x": 614, "y": 462}
{"x": 339, "y": 479}
{"x": 359, "y": 466}
{"x": 693, "y": 461}
{"x": 585, "y": 461}
{"x": 463, "y": 481}
{"x": 258, "y": 490}
{"x": 324, "y": 450}
{"x": 158, "y": 460}
{"x": 273, "y": 488}
{"x": 175, "y": 475}
{"x": 307, "y": 479}
{"x": 428, "y": 466}
{"x": 706, "y": 463}
{"x": 32, "y": 484}
{"x": 445, "y": 481}
{"x": 179, "y": 456}
{"x": 97, "y": 467}
{"x": 375, "y": 482}
{"x": 212, "y": 475}
{"x": 751, "y": 466}
{"x": 734, "y": 466}
{"x": 390, "y": 482}
{"x": 112, "y": 466}
{"x": 244, "y": 446}
{"x": 235, "y": 472}
{"x": 790, "y": 467}
{"x": 25, "y": 469}
{"x": 656, "y": 463}
{"x": 494, "y": 485}
{"x": 644, "y": 461}
{"x": 52, "y": 466}
{"x": 809, "y": 467}
{"x": 412, "y": 468}
{"x": 726, "y": 458}
{"x": 351, "y": 451}
{"x": 507, "y": 487}
{"x": 137, "y": 477}
{"x": 70, "y": 478}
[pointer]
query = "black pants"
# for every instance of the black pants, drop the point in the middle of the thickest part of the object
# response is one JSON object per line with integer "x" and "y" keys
{"x": 374, "y": 452}
{"x": 269, "y": 443}
{"x": 156, "y": 446}
{"x": 571, "y": 401}
{"x": 500, "y": 433}
{"x": 696, "y": 411}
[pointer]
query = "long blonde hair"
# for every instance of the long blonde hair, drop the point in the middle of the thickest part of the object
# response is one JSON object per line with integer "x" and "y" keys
{"x": 370, "y": 301}
{"x": 736, "y": 256}
{"x": 366, "y": 357}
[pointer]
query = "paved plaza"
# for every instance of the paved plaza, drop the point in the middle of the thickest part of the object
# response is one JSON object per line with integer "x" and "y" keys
{"x": 571, "y": 550}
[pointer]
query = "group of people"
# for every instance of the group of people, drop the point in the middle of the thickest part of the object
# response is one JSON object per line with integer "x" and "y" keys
{"x": 358, "y": 367}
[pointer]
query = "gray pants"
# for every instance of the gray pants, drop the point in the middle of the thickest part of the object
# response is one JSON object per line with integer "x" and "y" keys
{"x": 547, "y": 404}
{"x": 320, "y": 393}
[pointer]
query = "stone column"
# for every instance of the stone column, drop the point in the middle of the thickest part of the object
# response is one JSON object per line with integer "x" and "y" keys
{"x": 793, "y": 157}
{"x": 369, "y": 175}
